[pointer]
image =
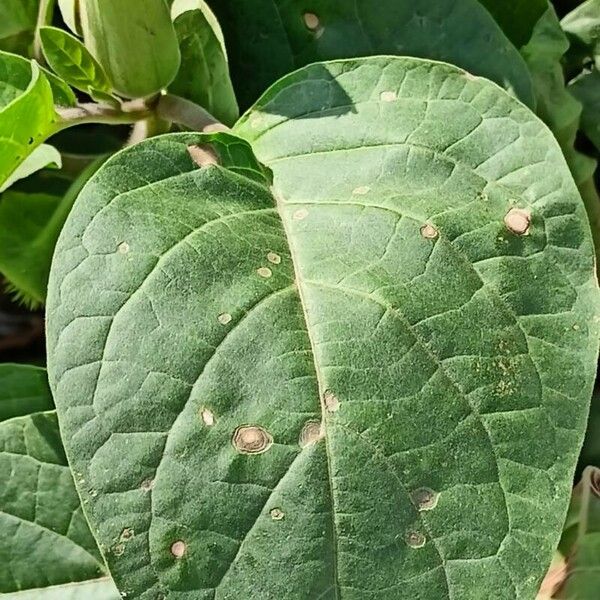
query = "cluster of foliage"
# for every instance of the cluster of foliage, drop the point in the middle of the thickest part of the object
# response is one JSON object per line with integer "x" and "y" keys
{"x": 339, "y": 347}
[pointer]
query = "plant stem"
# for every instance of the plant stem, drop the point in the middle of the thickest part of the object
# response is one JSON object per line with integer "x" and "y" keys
{"x": 45, "y": 14}
{"x": 188, "y": 114}
{"x": 129, "y": 112}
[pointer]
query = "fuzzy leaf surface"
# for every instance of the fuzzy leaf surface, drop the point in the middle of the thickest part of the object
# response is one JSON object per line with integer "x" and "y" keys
{"x": 355, "y": 382}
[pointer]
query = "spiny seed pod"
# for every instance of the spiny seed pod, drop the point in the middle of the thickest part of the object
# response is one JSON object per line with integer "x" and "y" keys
{"x": 135, "y": 42}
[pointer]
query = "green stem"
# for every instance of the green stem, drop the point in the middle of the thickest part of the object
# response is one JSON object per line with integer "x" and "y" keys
{"x": 45, "y": 15}
{"x": 188, "y": 114}
{"x": 129, "y": 112}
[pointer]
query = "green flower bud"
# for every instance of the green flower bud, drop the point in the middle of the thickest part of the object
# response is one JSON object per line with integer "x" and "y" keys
{"x": 135, "y": 42}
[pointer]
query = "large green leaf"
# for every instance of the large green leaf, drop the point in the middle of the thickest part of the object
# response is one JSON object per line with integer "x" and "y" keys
{"x": 45, "y": 537}
{"x": 203, "y": 76}
{"x": 369, "y": 379}
{"x": 29, "y": 227}
{"x": 23, "y": 390}
{"x": 269, "y": 38}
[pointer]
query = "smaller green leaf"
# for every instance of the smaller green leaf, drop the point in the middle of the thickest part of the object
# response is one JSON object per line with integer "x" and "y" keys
{"x": 71, "y": 60}
{"x": 583, "y": 581}
{"x": 29, "y": 227}
{"x": 70, "y": 14}
{"x": 23, "y": 390}
{"x": 43, "y": 156}
{"x": 17, "y": 25}
{"x": 583, "y": 23}
{"x": 203, "y": 76}
{"x": 587, "y": 90}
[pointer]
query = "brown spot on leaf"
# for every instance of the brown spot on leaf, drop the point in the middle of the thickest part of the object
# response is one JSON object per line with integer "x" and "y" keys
{"x": 332, "y": 404}
{"x": 224, "y": 318}
{"x": 424, "y": 498}
{"x": 264, "y": 272}
{"x": 203, "y": 155}
{"x": 252, "y": 439}
{"x": 361, "y": 190}
{"x": 277, "y": 514}
{"x": 208, "y": 417}
{"x": 311, "y": 21}
{"x": 274, "y": 258}
{"x": 415, "y": 539}
{"x": 388, "y": 96}
{"x": 126, "y": 534}
{"x": 147, "y": 485}
{"x": 429, "y": 232}
{"x": 123, "y": 248}
{"x": 518, "y": 221}
{"x": 178, "y": 549}
{"x": 300, "y": 214}
{"x": 311, "y": 433}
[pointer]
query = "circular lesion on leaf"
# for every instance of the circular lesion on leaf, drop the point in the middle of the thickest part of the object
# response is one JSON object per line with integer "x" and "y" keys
{"x": 429, "y": 232}
{"x": 331, "y": 401}
{"x": 424, "y": 498}
{"x": 518, "y": 221}
{"x": 277, "y": 514}
{"x": 251, "y": 439}
{"x": 415, "y": 539}
{"x": 311, "y": 433}
{"x": 207, "y": 416}
{"x": 178, "y": 549}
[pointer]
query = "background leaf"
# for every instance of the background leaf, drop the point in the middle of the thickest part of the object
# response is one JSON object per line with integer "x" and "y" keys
{"x": 23, "y": 390}
{"x": 17, "y": 25}
{"x": 203, "y": 76}
{"x": 587, "y": 90}
{"x": 583, "y": 23}
{"x": 43, "y": 156}
{"x": 296, "y": 370}
{"x": 70, "y": 59}
{"x": 70, "y": 13}
{"x": 269, "y": 38}
{"x": 29, "y": 227}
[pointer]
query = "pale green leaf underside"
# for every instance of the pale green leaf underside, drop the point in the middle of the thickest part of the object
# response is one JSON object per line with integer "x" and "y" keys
{"x": 45, "y": 539}
{"x": 97, "y": 589}
{"x": 461, "y": 363}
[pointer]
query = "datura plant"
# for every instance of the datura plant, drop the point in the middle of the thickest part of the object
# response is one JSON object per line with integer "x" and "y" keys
{"x": 340, "y": 347}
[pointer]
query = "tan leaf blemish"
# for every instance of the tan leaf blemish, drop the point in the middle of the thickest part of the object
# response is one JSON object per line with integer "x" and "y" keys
{"x": 147, "y": 485}
{"x": 264, "y": 272}
{"x": 300, "y": 214}
{"x": 332, "y": 404}
{"x": 178, "y": 549}
{"x": 518, "y": 220}
{"x": 118, "y": 550}
{"x": 203, "y": 155}
{"x": 311, "y": 21}
{"x": 224, "y": 318}
{"x": 277, "y": 514}
{"x": 429, "y": 232}
{"x": 361, "y": 190}
{"x": 424, "y": 498}
{"x": 123, "y": 248}
{"x": 388, "y": 96}
{"x": 274, "y": 258}
{"x": 252, "y": 439}
{"x": 311, "y": 433}
{"x": 208, "y": 417}
{"x": 126, "y": 534}
{"x": 415, "y": 539}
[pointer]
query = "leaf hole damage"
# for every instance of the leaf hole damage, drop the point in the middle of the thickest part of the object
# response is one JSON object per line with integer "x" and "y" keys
{"x": 518, "y": 220}
{"x": 264, "y": 272}
{"x": 429, "y": 232}
{"x": 203, "y": 155}
{"x": 178, "y": 549}
{"x": 332, "y": 404}
{"x": 388, "y": 96}
{"x": 424, "y": 498}
{"x": 224, "y": 318}
{"x": 277, "y": 514}
{"x": 251, "y": 439}
{"x": 208, "y": 417}
{"x": 311, "y": 433}
{"x": 274, "y": 258}
{"x": 415, "y": 539}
